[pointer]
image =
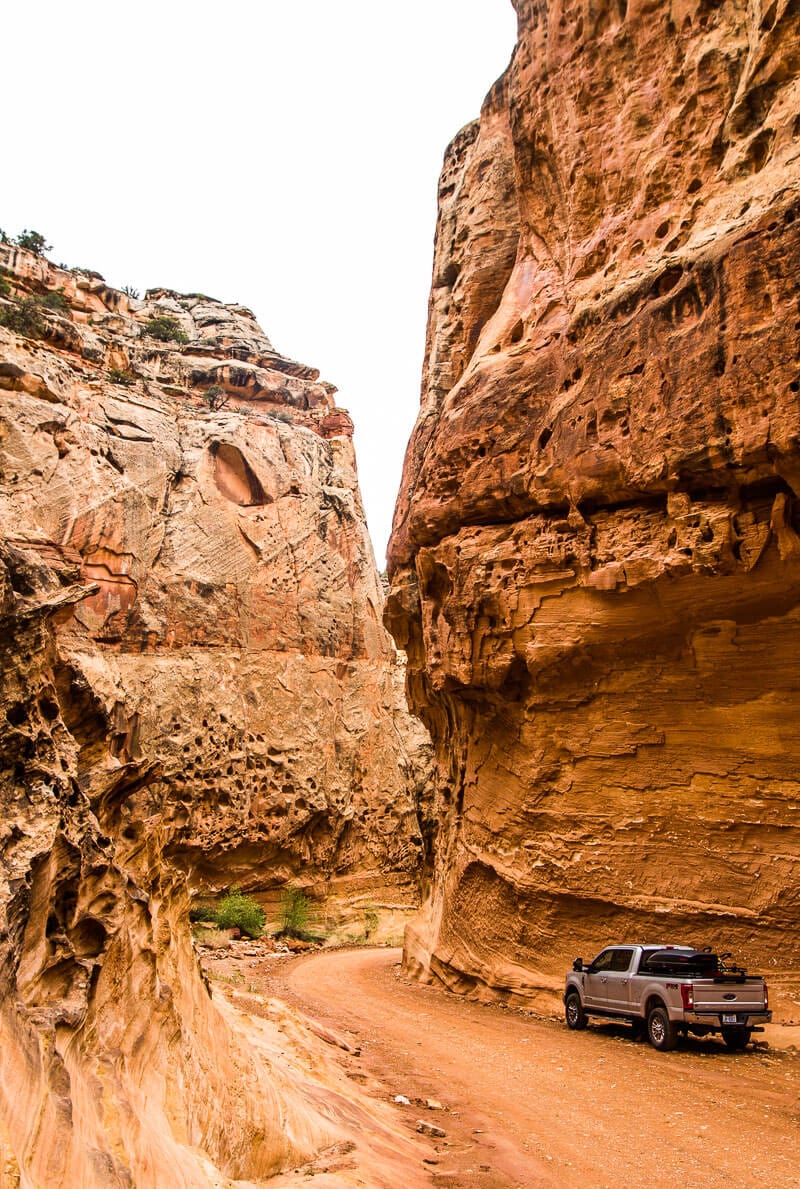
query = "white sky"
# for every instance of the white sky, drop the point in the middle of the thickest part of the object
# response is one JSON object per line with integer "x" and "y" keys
{"x": 278, "y": 153}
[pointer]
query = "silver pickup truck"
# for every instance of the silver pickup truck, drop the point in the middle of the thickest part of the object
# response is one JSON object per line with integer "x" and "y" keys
{"x": 668, "y": 990}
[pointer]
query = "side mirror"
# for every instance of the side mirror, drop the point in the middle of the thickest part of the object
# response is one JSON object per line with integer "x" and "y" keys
{"x": 577, "y": 964}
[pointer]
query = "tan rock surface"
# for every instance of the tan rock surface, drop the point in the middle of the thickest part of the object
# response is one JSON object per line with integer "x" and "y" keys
{"x": 595, "y": 558}
{"x": 197, "y": 691}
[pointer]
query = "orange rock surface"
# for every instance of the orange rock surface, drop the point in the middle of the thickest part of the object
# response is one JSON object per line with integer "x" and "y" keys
{"x": 595, "y": 561}
{"x": 197, "y": 691}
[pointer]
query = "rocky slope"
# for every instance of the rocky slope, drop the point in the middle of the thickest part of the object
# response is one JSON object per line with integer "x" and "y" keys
{"x": 197, "y": 691}
{"x": 595, "y": 561}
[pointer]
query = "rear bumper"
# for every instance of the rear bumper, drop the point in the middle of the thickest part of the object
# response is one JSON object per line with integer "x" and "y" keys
{"x": 714, "y": 1019}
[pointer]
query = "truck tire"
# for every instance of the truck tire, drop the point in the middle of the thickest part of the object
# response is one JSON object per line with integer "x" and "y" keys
{"x": 661, "y": 1032}
{"x": 574, "y": 1013}
{"x": 737, "y": 1038}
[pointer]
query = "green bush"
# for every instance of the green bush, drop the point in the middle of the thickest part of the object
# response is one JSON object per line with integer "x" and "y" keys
{"x": 24, "y": 318}
{"x": 56, "y": 301}
{"x": 371, "y": 921}
{"x": 117, "y": 376}
{"x": 5, "y": 288}
{"x": 33, "y": 241}
{"x": 166, "y": 329}
{"x": 295, "y": 915}
{"x": 203, "y": 914}
{"x": 237, "y": 911}
{"x": 131, "y": 292}
{"x": 216, "y": 397}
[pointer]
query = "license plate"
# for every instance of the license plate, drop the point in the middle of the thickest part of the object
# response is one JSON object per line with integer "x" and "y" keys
{"x": 730, "y": 1020}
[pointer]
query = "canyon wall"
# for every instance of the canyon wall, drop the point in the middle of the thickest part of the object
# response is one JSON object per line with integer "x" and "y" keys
{"x": 197, "y": 692}
{"x": 595, "y": 562}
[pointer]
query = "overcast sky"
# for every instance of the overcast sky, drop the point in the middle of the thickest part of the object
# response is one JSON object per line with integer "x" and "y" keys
{"x": 278, "y": 153}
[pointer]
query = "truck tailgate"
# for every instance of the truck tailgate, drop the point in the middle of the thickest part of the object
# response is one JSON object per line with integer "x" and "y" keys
{"x": 744, "y": 995}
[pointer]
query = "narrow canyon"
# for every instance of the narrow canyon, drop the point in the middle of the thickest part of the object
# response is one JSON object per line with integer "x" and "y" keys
{"x": 566, "y": 718}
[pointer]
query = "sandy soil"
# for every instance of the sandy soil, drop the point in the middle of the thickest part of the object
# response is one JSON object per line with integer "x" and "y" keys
{"x": 527, "y": 1103}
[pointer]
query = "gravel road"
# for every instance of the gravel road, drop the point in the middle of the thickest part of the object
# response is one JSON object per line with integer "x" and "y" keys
{"x": 527, "y": 1103}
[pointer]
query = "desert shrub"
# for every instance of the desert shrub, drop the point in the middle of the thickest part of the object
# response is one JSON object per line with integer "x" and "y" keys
{"x": 370, "y": 921}
{"x": 117, "y": 376}
{"x": 166, "y": 329}
{"x": 5, "y": 288}
{"x": 130, "y": 291}
{"x": 203, "y": 914}
{"x": 33, "y": 241}
{"x": 25, "y": 318}
{"x": 216, "y": 397}
{"x": 3, "y": 237}
{"x": 56, "y": 301}
{"x": 295, "y": 916}
{"x": 238, "y": 911}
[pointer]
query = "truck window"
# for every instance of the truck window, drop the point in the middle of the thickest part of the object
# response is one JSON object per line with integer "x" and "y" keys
{"x": 620, "y": 960}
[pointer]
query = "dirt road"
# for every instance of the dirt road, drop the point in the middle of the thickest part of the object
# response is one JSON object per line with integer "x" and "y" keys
{"x": 527, "y": 1103}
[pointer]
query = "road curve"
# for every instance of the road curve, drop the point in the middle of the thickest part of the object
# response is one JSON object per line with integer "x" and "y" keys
{"x": 528, "y": 1103}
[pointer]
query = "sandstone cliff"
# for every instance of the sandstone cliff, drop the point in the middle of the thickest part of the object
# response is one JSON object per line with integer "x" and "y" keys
{"x": 197, "y": 691}
{"x": 595, "y": 560}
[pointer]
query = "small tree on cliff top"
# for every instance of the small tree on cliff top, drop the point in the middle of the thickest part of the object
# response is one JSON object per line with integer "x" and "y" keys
{"x": 33, "y": 241}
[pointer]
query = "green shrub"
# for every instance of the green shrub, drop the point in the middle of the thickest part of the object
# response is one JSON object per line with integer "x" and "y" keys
{"x": 130, "y": 291}
{"x": 56, "y": 301}
{"x": 203, "y": 914}
{"x": 166, "y": 329}
{"x": 216, "y": 397}
{"x": 237, "y": 911}
{"x": 5, "y": 288}
{"x": 3, "y": 237}
{"x": 24, "y": 318}
{"x": 370, "y": 921}
{"x": 33, "y": 241}
{"x": 117, "y": 376}
{"x": 295, "y": 915}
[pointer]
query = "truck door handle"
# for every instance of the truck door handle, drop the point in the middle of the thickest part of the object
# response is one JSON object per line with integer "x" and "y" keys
{"x": 603, "y": 979}
{"x": 624, "y": 982}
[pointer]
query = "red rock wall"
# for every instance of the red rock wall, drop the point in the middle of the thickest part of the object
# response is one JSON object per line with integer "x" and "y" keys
{"x": 196, "y": 691}
{"x": 595, "y": 561}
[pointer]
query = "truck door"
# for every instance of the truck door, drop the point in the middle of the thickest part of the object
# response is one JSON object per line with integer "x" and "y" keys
{"x": 618, "y": 986}
{"x": 607, "y": 983}
{"x": 596, "y": 981}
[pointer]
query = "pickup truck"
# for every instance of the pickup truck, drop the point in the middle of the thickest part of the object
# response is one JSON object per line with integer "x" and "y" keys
{"x": 667, "y": 990}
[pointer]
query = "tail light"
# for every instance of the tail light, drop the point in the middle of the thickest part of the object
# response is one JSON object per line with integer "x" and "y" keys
{"x": 687, "y": 995}
{"x": 766, "y": 995}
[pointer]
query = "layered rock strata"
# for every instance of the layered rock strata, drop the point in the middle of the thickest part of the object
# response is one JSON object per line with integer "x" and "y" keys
{"x": 595, "y": 561}
{"x": 197, "y": 691}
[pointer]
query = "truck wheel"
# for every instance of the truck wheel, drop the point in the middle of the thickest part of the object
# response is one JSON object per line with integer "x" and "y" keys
{"x": 737, "y": 1038}
{"x": 661, "y": 1032}
{"x": 574, "y": 1013}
